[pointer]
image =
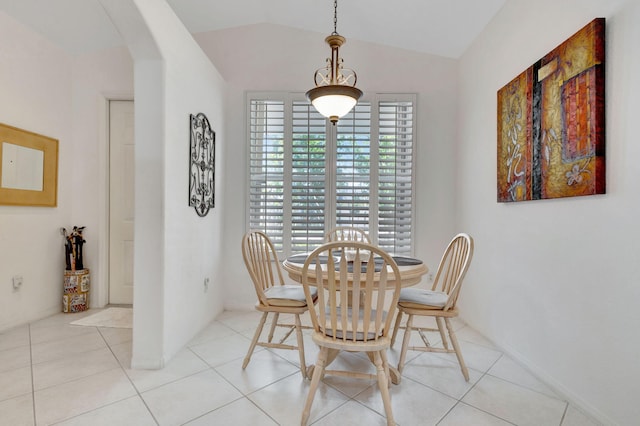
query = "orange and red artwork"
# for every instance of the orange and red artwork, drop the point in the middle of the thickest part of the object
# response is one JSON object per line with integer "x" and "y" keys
{"x": 551, "y": 123}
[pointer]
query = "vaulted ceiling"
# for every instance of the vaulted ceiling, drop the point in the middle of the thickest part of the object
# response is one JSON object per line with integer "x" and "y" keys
{"x": 439, "y": 27}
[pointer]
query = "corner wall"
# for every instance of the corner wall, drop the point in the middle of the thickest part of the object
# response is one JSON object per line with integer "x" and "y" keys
{"x": 96, "y": 78}
{"x": 555, "y": 282}
{"x": 175, "y": 249}
{"x": 269, "y": 57}
{"x": 57, "y": 95}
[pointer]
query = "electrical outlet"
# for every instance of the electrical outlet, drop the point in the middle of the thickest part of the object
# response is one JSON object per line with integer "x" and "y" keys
{"x": 430, "y": 278}
{"x": 17, "y": 282}
{"x": 206, "y": 284}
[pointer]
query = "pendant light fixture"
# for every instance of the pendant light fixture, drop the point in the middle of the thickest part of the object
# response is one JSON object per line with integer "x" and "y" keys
{"x": 335, "y": 93}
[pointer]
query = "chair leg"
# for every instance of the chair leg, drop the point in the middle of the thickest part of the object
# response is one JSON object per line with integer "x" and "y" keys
{"x": 443, "y": 337}
{"x": 318, "y": 372}
{"x": 276, "y": 316}
{"x": 385, "y": 364}
{"x": 303, "y": 366}
{"x": 405, "y": 342}
{"x": 383, "y": 385}
{"x": 456, "y": 347}
{"x": 255, "y": 340}
{"x": 396, "y": 327}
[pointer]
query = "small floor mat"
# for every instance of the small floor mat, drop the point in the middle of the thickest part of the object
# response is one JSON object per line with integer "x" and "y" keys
{"x": 110, "y": 317}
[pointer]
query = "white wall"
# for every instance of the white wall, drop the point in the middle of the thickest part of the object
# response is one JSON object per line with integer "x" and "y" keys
{"x": 35, "y": 83}
{"x": 96, "y": 78}
{"x": 555, "y": 282}
{"x": 270, "y": 57}
{"x": 175, "y": 249}
{"x": 49, "y": 92}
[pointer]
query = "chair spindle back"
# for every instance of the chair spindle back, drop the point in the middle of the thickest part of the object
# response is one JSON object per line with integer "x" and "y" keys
{"x": 359, "y": 286}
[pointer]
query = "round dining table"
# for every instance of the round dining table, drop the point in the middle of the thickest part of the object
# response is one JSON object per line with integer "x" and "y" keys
{"x": 411, "y": 269}
{"x": 411, "y": 272}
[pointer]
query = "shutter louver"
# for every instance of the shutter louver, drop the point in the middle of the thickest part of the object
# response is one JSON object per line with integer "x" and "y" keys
{"x": 308, "y": 176}
{"x": 266, "y": 169}
{"x": 295, "y": 195}
{"x": 353, "y": 168}
{"x": 395, "y": 171}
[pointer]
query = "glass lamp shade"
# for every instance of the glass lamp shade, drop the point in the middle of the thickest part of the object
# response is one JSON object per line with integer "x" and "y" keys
{"x": 334, "y": 101}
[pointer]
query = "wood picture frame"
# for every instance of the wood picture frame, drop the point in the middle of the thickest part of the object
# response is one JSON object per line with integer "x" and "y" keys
{"x": 28, "y": 168}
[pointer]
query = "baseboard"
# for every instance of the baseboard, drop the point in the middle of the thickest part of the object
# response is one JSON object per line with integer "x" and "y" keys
{"x": 37, "y": 317}
{"x": 147, "y": 363}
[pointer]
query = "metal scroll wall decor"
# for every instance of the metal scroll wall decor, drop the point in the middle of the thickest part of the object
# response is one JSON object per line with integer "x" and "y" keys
{"x": 202, "y": 164}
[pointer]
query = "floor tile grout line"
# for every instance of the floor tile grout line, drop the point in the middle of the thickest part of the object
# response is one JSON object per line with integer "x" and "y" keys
{"x": 211, "y": 411}
{"x": 484, "y": 374}
{"x": 70, "y": 380}
{"x": 55, "y": 339}
{"x": 62, "y": 340}
{"x": 190, "y": 343}
{"x": 260, "y": 408}
{"x": 33, "y": 387}
{"x": 337, "y": 408}
{"x": 475, "y": 408}
{"x": 520, "y": 385}
{"x": 92, "y": 410}
{"x": 372, "y": 385}
{"x": 459, "y": 401}
{"x": 244, "y": 395}
{"x": 557, "y": 397}
{"x": 297, "y": 371}
{"x": 124, "y": 371}
{"x": 564, "y": 413}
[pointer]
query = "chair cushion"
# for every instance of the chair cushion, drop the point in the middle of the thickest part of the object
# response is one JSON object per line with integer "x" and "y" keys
{"x": 288, "y": 295}
{"x": 419, "y": 298}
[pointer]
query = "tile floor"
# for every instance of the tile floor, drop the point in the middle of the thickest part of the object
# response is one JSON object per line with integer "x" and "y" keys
{"x": 52, "y": 372}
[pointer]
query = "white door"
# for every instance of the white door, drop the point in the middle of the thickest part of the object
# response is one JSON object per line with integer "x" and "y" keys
{"x": 121, "y": 196}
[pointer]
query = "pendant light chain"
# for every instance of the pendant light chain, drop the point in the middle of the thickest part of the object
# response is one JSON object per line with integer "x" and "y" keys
{"x": 335, "y": 17}
{"x": 335, "y": 93}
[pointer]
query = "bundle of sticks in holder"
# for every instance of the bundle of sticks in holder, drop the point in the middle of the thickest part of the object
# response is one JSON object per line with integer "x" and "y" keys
{"x": 73, "y": 242}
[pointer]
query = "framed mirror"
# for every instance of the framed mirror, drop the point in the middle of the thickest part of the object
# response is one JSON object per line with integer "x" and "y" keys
{"x": 28, "y": 168}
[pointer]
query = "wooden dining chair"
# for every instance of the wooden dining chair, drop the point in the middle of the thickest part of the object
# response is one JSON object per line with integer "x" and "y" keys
{"x": 356, "y": 303}
{"x": 439, "y": 302}
{"x": 273, "y": 295}
{"x": 348, "y": 233}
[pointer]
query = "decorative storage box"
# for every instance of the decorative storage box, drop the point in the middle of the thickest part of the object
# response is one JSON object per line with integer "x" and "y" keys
{"x": 76, "y": 291}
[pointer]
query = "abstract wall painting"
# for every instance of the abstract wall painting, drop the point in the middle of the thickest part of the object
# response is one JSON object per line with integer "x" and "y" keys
{"x": 551, "y": 123}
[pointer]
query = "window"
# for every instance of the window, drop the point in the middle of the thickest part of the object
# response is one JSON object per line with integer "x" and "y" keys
{"x": 307, "y": 176}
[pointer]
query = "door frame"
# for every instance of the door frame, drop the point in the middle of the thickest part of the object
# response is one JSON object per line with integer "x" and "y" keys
{"x": 101, "y": 288}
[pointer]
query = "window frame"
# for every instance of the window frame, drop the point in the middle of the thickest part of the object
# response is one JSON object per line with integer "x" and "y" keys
{"x": 288, "y": 98}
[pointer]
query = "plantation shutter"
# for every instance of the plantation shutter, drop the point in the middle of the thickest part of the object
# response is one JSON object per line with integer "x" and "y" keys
{"x": 353, "y": 168}
{"x": 266, "y": 169}
{"x": 395, "y": 172}
{"x": 308, "y": 178}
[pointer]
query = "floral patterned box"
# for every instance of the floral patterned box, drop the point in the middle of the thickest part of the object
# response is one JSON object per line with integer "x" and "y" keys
{"x": 76, "y": 291}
